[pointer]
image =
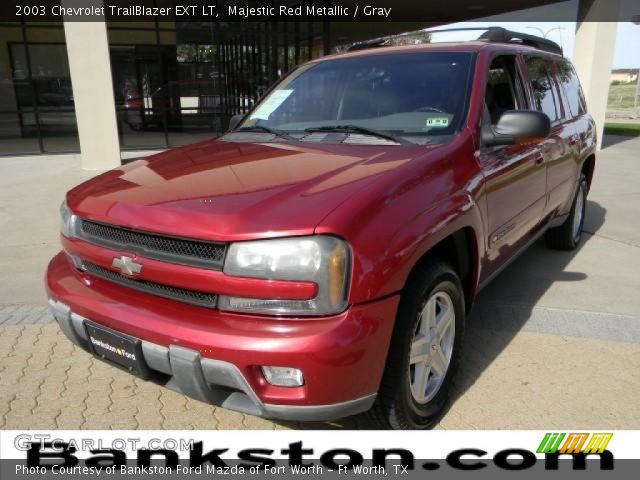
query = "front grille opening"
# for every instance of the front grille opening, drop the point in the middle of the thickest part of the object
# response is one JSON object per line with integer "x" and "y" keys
{"x": 192, "y": 297}
{"x": 160, "y": 247}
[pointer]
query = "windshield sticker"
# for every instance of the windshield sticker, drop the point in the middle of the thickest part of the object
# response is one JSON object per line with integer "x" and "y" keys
{"x": 437, "y": 122}
{"x": 270, "y": 104}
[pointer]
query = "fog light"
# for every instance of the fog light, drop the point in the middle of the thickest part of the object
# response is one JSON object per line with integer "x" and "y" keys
{"x": 283, "y": 376}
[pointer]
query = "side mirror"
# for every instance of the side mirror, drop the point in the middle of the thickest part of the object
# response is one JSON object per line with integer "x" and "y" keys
{"x": 235, "y": 120}
{"x": 516, "y": 126}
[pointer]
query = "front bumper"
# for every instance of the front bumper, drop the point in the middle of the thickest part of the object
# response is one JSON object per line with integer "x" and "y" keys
{"x": 216, "y": 357}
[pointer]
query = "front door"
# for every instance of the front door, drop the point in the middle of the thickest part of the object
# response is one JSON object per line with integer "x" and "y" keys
{"x": 515, "y": 176}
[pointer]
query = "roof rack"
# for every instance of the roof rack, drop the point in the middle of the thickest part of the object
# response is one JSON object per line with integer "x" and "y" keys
{"x": 490, "y": 34}
{"x": 380, "y": 41}
{"x": 376, "y": 42}
{"x": 502, "y": 35}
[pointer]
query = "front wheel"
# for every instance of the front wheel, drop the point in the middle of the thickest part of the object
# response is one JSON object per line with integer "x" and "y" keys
{"x": 424, "y": 351}
{"x": 568, "y": 235}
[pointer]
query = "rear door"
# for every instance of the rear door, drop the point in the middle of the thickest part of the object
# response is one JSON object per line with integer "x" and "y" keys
{"x": 560, "y": 149}
{"x": 583, "y": 138}
{"x": 515, "y": 175}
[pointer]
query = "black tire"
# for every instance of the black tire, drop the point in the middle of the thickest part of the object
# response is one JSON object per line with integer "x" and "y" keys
{"x": 395, "y": 406}
{"x": 565, "y": 237}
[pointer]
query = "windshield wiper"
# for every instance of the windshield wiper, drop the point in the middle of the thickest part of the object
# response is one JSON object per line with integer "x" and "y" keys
{"x": 262, "y": 128}
{"x": 357, "y": 129}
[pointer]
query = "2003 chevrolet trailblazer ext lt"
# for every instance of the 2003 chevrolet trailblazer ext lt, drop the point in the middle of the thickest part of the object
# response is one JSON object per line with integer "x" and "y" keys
{"x": 319, "y": 260}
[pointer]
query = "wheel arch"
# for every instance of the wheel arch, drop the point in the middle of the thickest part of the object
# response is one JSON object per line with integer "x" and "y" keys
{"x": 452, "y": 231}
{"x": 460, "y": 250}
{"x": 588, "y": 167}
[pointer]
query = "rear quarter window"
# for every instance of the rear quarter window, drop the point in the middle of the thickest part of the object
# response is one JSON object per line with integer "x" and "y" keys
{"x": 544, "y": 95}
{"x": 572, "y": 89}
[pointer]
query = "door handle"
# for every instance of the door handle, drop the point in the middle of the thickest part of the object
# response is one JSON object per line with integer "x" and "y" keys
{"x": 573, "y": 139}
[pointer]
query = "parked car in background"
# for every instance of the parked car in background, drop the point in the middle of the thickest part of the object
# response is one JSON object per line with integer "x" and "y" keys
{"x": 321, "y": 258}
{"x": 179, "y": 104}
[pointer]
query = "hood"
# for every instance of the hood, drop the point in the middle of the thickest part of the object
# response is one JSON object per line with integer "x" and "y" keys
{"x": 221, "y": 190}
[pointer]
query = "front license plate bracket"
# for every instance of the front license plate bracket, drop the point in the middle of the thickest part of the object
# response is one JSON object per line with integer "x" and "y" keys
{"x": 118, "y": 349}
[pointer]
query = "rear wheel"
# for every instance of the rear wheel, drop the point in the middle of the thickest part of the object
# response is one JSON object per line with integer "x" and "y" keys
{"x": 424, "y": 352}
{"x": 568, "y": 235}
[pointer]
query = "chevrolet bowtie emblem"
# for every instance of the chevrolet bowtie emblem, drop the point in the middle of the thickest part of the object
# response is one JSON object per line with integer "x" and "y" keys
{"x": 126, "y": 265}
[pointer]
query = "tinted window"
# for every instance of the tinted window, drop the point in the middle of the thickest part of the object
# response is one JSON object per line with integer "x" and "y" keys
{"x": 504, "y": 88}
{"x": 410, "y": 94}
{"x": 571, "y": 86}
{"x": 543, "y": 93}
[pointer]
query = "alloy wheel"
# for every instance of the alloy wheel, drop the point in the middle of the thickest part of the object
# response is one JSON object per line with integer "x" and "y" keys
{"x": 432, "y": 347}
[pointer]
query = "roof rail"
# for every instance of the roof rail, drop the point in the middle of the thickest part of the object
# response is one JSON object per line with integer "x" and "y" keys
{"x": 502, "y": 35}
{"x": 376, "y": 42}
{"x": 490, "y": 34}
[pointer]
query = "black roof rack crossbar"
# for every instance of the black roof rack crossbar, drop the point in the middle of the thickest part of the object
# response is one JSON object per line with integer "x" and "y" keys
{"x": 502, "y": 35}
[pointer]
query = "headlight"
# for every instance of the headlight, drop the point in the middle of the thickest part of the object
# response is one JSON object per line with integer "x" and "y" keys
{"x": 320, "y": 259}
{"x": 67, "y": 221}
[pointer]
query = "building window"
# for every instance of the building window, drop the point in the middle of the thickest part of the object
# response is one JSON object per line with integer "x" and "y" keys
{"x": 178, "y": 83}
{"x": 37, "y": 113}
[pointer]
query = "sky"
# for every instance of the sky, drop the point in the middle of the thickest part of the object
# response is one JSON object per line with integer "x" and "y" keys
{"x": 627, "y": 54}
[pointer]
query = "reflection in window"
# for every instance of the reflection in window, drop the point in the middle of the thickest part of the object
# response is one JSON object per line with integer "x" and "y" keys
{"x": 542, "y": 83}
{"x": 36, "y": 96}
{"x": 572, "y": 89}
{"x": 419, "y": 94}
{"x": 49, "y": 72}
{"x": 181, "y": 82}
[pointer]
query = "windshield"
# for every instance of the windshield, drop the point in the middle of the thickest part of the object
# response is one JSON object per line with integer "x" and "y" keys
{"x": 407, "y": 95}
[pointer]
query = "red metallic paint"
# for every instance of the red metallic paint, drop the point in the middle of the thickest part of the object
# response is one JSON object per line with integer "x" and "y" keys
{"x": 274, "y": 190}
{"x": 333, "y": 352}
{"x": 198, "y": 279}
{"x": 392, "y": 204}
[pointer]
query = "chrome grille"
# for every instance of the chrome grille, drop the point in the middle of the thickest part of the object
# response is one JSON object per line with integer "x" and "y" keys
{"x": 193, "y": 297}
{"x": 170, "y": 249}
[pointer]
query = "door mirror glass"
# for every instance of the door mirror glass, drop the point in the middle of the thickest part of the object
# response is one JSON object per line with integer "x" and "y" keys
{"x": 516, "y": 126}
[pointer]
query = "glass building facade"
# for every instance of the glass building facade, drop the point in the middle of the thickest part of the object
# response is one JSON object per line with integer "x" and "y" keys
{"x": 178, "y": 83}
{"x": 36, "y": 99}
{"x": 173, "y": 83}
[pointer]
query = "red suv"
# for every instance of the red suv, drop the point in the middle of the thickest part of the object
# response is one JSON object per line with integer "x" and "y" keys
{"x": 319, "y": 259}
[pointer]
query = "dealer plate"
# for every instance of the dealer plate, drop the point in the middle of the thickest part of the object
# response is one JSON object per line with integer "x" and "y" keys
{"x": 117, "y": 348}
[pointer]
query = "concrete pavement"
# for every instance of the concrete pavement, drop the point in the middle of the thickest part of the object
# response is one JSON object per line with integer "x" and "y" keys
{"x": 554, "y": 340}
